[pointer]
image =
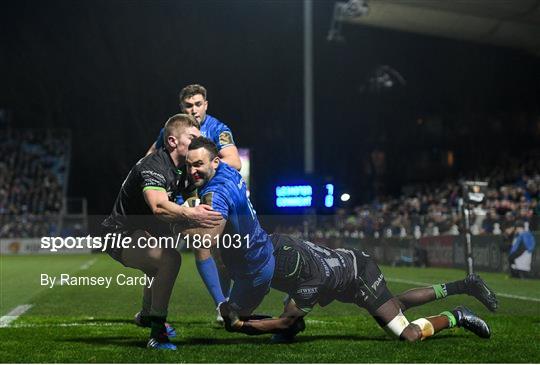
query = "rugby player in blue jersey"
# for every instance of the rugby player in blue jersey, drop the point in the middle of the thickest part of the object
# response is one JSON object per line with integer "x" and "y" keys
{"x": 245, "y": 248}
{"x": 193, "y": 102}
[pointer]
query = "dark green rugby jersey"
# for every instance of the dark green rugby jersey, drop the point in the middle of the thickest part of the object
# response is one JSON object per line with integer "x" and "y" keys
{"x": 153, "y": 172}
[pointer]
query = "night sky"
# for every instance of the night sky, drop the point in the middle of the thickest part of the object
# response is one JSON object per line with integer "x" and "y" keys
{"x": 111, "y": 72}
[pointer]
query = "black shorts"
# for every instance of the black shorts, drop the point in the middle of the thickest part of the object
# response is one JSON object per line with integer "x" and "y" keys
{"x": 114, "y": 252}
{"x": 369, "y": 288}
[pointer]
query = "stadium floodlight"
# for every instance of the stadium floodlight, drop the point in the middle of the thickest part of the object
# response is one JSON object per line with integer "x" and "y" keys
{"x": 345, "y": 197}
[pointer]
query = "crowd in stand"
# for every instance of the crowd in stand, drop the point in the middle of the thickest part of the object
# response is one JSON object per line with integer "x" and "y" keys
{"x": 32, "y": 178}
{"x": 435, "y": 209}
{"x": 33, "y": 172}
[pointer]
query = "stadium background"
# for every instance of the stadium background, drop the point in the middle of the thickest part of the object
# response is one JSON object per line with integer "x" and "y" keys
{"x": 98, "y": 79}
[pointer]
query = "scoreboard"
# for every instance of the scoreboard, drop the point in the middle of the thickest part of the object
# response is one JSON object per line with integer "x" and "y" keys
{"x": 305, "y": 195}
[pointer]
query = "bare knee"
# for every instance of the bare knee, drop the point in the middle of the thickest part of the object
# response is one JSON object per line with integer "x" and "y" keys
{"x": 171, "y": 258}
{"x": 400, "y": 303}
{"x": 202, "y": 254}
{"x": 165, "y": 257}
{"x": 411, "y": 333}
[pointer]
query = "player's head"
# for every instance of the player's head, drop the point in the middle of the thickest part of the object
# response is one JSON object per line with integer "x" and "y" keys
{"x": 202, "y": 161}
{"x": 193, "y": 101}
{"x": 288, "y": 268}
{"x": 179, "y": 130}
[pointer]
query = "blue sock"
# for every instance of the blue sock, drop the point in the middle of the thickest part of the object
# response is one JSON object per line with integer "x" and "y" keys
{"x": 208, "y": 272}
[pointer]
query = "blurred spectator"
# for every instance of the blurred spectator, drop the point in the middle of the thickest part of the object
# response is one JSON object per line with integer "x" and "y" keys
{"x": 32, "y": 181}
{"x": 521, "y": 251}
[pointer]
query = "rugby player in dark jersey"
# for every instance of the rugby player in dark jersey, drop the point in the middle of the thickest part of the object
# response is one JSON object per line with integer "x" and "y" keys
{"x": 193, "y": 101}
{"x": 145, "y": 207}
{"x": 311, "y": 274}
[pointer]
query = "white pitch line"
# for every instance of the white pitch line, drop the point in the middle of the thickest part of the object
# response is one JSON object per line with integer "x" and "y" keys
{"x": 14, "y": 314}
{"x": 75, "y": 324}
{"x": 87, "y": 264}
{"x": 504, "y": 295}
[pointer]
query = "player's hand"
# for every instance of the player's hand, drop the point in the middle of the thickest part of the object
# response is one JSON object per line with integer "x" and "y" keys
{"x": 204, "y": 216}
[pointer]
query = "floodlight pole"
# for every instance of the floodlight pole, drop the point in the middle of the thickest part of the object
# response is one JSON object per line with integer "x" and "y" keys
{"x": 468, "y": 242}
{"x": 308, "y": 87}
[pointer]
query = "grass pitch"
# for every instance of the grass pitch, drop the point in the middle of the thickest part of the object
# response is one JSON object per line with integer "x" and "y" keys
{"x": 93, "y": 324}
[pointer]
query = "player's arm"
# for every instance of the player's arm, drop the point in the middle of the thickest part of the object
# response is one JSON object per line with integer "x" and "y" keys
{"x": 228, "y": 152}
{"x": 208, "y": 234}
{"x": 199, "y": 216}
{"x": 287, "y": 321}
{"x": 230, "y": 156}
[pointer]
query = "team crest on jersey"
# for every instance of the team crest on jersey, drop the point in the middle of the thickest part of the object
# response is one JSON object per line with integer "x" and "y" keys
{"x": 225, "y": 138}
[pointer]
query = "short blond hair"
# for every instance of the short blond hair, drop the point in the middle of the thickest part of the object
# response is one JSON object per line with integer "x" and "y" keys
{"x": 176, "y": 124}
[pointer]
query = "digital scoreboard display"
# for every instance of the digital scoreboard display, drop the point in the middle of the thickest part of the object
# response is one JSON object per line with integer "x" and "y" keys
{"x": 305, "y": 196}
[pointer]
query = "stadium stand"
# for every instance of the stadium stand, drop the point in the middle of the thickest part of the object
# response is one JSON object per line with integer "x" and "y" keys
{"x": 435, "y": 209}
{"x": 34, "y": 169}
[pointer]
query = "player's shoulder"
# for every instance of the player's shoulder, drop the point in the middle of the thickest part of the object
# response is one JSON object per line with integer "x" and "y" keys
{"x": 157, "y": 159}
{"x": 215, "y": 123}
{"x": 225, "y": 180}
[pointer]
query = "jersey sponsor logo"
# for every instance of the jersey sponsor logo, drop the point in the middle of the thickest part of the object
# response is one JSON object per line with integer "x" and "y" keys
{"x": 152, "y": 178}
{"x": 307, "y": 291}
{"x": 240, "y": 184}
{"x": 225, "y": 138}
{"x": 377, "y": 282}
{"x": 287, "y": 248}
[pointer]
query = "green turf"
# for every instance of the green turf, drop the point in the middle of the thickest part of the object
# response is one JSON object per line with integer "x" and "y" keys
{"x": 93, "y": 324}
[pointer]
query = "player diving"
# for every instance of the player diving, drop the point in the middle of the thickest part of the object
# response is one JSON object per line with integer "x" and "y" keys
{"x": 311, "y": 274}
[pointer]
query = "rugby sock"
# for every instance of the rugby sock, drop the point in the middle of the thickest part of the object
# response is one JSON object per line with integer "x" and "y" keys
{"x": 208, "y": 272}
{"x": 157, "y": 328}
{"x": 452, "y": 321}
{"x": 146, "y": 302}
{"x": 444, "y": 290}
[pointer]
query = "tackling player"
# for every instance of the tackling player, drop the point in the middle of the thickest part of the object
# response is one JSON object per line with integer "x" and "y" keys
{"x": 312, "y": 274}
{"x": 193, "y": 102}
{"x": 245, "y": 248}
{"x": 144, "y": 207}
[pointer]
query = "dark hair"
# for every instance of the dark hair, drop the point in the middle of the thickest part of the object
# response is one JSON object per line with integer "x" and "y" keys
{"x": 202, "y": 142}
{"x": 192, "y": 90}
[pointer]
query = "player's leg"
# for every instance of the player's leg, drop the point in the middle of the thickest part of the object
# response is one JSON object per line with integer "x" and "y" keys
{"x": 472, "y": 285}
{"x": 246, "y": 295}
{"x": 392, "y": 320}
{"x": 207, "y": 268}
{"x": 370, "y": 291}
{"x": 225, "y": 280}
{"x": 163, "y": 265}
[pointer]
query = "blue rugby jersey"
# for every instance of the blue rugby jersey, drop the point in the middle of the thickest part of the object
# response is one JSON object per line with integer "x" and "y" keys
{"x": 226, "y": 193}
{"x": 211, "y": 128}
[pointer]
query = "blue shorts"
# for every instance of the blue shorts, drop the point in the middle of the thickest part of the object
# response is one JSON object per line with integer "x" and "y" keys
{"x": 248, "y": 292}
